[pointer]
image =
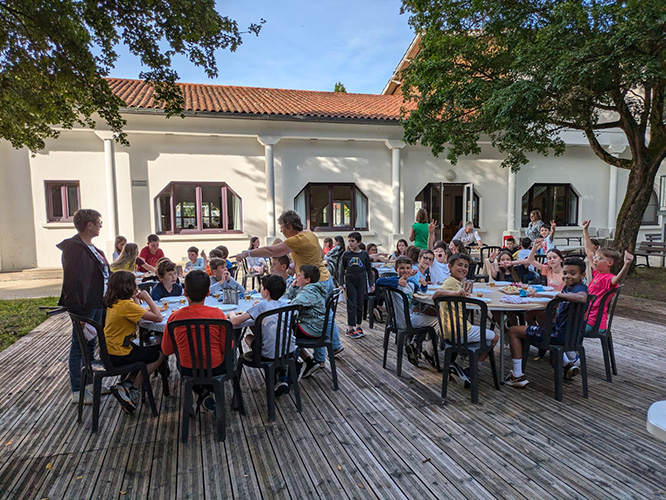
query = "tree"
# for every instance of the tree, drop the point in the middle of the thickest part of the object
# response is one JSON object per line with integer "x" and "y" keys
{"x": 522, "y": 72}
{"x": 339, "y": 87}
{"x": 54, "y": 55}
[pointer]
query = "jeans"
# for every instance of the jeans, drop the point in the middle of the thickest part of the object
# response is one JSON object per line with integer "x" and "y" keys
{"x": 331, "y": 334}
{"x": 75, "y": 354}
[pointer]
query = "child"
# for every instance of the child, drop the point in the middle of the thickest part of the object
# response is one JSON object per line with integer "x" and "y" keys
{"x": 196, "y": 290}
{"x": 356, "y": 277}
{"x": 413, "y": 254}
{"x": 151, "y": 253}
{"x": 167, "y": 287}
{"x": 328, "y": 245}
{"x": 215, "y": 253}
{"x": 426, "y": 258}
{"x": 453, "y": 286}
{"x": 546, "y": 234}
{"x": 221, "y": 277}
{"x": 129, "y": 259}
{"x": 400, "y": 250}
{"x": 194, "y": 262}
{"x": 333, "y": 257}
{"x": 375, "y": 256}
{"x": 510, "y": 244}
{"x": 118, "y": 246}
{"x": 280, "y": 267}
{"x": 406, "y": 282}
{"x": 457, "y": 246}
{"x": 224, "y": 254}
{"x": 256, "y": 264}
{"x": 501, "y": 267}
{"x": 573, "y": 291}
{"x": 526, "y": 270}
{"x": 439, "y": 270}
{"x": 603, "y": 280}
{"x": 122, "y": 314}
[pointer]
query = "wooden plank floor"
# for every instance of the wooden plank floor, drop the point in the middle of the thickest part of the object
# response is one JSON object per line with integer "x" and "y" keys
{"x": 380, "y": 436}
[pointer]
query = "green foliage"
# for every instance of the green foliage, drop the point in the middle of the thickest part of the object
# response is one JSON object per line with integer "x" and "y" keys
{"x": 19, "y": 317}
{"x": 54, "y": 55}
{"x": 339, "y": 87}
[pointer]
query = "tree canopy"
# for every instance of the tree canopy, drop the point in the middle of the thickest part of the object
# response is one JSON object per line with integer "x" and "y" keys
{"x": 521, "y": 72}
{"x": 339, "y": 87}
{"x": 55, "y": 54}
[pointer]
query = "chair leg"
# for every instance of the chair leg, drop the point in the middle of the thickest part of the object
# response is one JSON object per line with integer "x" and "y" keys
{"x": 97, "y": 394}
{"x": 474, "y": 376}
{"x": 238, "y": 395}
{"x": 493, "y": 367}
{"x": 607, "y": 362}
{"x": 220, "y": 410}
{"x": 187, "y": 406}
{"x": 435, "y": 341}
{"x": 556, "y": 357}
{"x": 334, "y": 371}
{"x": 148, "y": 390}
{"x": 399, "y": 352}
{"x": 526, "y": 352}
{"x": 370, "y": 311}
{"x": 294, "y": 383}
{"x": 270, "y": 392}
{"x": 163, "y": 370}
{"x": 445, "y": 376}
{"x": 611, "y": 349}
{"x": 583, "y": 369}
{"x": 387, "y": 336}
{"x": 82, "y": 392}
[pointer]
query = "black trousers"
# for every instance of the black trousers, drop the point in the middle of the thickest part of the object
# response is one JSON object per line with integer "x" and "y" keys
{"x": 356, "y": 286}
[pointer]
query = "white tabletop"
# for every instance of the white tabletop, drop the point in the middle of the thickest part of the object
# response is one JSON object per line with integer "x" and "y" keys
{"x": 656, "y": 420}
{"x": 492, "y": 296}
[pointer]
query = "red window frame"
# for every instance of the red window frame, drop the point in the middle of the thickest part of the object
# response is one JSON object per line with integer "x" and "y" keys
{"x": 64, "y": 198}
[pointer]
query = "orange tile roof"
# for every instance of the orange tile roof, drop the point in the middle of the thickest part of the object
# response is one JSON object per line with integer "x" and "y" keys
{"x": 254, "y": 101}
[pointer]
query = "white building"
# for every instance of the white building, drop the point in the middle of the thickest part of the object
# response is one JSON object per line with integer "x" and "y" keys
{"x": 243, "y": 155}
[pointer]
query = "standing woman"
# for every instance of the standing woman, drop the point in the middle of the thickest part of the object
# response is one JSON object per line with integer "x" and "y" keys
{"x": 420, "y": 229}
{"x": 535, "y": 225}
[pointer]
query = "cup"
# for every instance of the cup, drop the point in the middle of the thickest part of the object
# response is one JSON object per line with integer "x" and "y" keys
{"x": 491, "y": 284}
{"x": 216, "y": 295}
{"x": 479, "y": 293}
{"x": 183, "y": 301}
{"x": 469, "y": 286}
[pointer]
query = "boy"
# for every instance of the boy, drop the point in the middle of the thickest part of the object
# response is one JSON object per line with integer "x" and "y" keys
{"x": 221, "y": 278}
{"x": 356, "y": 277}
{"x": 194, "y": 262}
{"x": 151, "y": 253}
{"x": 280, "y": 267}
{"x": 602, "y": 261}
{"x": 224, "y": 255}
{"x": 196, "y": 291}
{"x": 547, "y": 235}
{"x": 526, "y": 274}
{"x": 426, "y": 258}
{"x": 453, "y": 286}
{"x": 407, "y": 282}
{"x": 510, "y": 244}
{"x": 167, "y": 287}
{"x": 439, "y": 270}
{"x": 574, "y": 290}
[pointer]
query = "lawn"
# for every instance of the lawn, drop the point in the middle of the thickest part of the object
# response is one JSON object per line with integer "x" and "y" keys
{"x": 18, "y": 317}
{"x": 647, "y": 283}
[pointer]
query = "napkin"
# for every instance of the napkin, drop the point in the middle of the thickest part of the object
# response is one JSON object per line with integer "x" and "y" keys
{"x": 512, "y": 299}
{"x": 538, "y": 288}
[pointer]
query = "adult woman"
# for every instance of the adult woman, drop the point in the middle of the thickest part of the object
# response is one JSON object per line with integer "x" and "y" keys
{"x": 421, "y": 229}
{"x": 535, "y": 225}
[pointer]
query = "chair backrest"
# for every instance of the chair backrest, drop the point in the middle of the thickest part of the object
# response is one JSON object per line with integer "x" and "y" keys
{"x": 197, "y": 332}
{"x": 454, "y": 320}
{"x": 245, "y": 267}
{"x": 331, "y": 307}
{"x": 541, "y": 258}
{"x": 147, "y": 285}
{"x": 473, "y": 268}
{"x": 101, "y": 339}
{"x": 80, "y": 336}
{"x": 486, "y": 251}
{"x": 397, "y": 307}
{"x": 607, "y": 303}
{"x": 603, "y": 233}
{"x": 574, "y": 326}
{"x": 281, "y": 322}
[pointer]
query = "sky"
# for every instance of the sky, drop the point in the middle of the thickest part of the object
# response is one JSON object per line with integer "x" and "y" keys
{"x": 304, "y": 45}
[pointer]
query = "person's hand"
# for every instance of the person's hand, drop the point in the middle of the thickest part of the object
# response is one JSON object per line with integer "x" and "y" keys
{"x": 203, "y": 254}
{"x": 143, "y": 295}
{"x": 479, "y": 243}
{"x": 537, "y": 243}
{"x": 462, "y": 293}
{"x": 403, "y": 281}
{"x": 553, "y": 225}
{"x": 586, "y": 224}
{"x": 628, "y": 258}
{"x": 422, "y": 281}
{"x": 342, "y": 287}
{"x": 432, "y": 226}
{"x": 413, "y": 272}
{"x": 241, "y": 256}
{"x": 226, "y": 275}
{"x": 494, "y": 255}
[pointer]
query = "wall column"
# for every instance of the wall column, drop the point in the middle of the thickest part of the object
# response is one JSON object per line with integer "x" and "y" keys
{"x": 111, "y": 221}
{"x": 395, "y": 147}
{"x": 616, "y": 150}
{"x": 268, "y": 142}
{"x": 511, "y": 204}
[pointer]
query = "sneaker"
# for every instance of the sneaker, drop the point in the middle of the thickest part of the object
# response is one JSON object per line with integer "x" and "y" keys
{"x": 209, "y": 405}
{"x": 87, "y": 398}
{"x": 514, "y": 381}
{"x": 459, "y": 375}
{"x": 310, "y": 367}
{"x": 281, "y": 388}
{"x": 337, "y": 352}
{"x": 466, "y": 378}
{"x": 356, "y": 334}
{"x": 359, "y": 333}
{"x": 429, "y": 358}
{"x": 412, "y": 354}
{"x": 124, "y": 397}
{"x": 300, "y": 368}
{"x": 378, "y": 316}
{"x": 571, "y": 370}
{"x": 351, "y": 332}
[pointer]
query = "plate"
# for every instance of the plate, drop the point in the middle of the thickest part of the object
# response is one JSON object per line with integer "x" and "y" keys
{"x": 502, "y": 283}
{"x": 537, "y": 299}
{"x": 548, "y": 288}
{"x": 503, "y": 290}
{"x": 171, "y": 300}
{"x": 484, "y": 299}
{"x": 549, "y": 294}
{"x": 484, "y": 290}
{"x": 227, "y": 307}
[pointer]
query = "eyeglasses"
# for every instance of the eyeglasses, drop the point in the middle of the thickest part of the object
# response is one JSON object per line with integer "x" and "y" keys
{"x": 427, "y": 258}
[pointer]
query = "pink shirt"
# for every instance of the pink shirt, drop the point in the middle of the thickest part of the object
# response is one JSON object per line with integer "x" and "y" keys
{"x": 601, "y": 283}
{"x": 550, "y": 276}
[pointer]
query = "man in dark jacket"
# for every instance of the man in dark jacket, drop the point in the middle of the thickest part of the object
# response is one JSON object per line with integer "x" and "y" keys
{"x": 85, "y": 272}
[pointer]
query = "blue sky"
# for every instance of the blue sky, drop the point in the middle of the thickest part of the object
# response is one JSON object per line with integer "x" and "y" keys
{"x": 306, "y": 45}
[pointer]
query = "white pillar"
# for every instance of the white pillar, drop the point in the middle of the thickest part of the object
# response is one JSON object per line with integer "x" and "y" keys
{"x": 395, "y": 147}
{"x": 511, "y": 204}
{"x": 268, "y": 142}
{"x": 111, "y": 221}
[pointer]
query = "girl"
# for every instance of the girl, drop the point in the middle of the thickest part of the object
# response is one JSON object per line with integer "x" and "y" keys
{"x": 501, "y": 267}
{"x": 457, "y": 246}
{"x": 256, "y": 264}
{"x": 195, "y": 262}
{"x": 374, "y": 255}
{"x": 129, "y": 260}
{"x": 400, "y": 249}
{"x": 328, "y": 245}
{"x": 122, "y": 314}
{"x": 118, "y": 246}
{"x": 551, "y": 269}
{"x": 332, "y": 258}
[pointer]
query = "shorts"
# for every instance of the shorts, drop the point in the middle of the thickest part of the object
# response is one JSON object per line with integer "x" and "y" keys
{"x": 137, "y": 354}
{"x": 299, "y": 333}
{"x": 474, "y": 335}
{"x": 536, "y": 333}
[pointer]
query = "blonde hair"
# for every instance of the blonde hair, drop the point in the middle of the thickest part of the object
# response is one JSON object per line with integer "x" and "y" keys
{"x": 126, "y": 261}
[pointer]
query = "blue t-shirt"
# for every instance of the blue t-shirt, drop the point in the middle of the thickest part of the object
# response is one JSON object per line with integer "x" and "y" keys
{"x": 563, "y": 311}
{"x": 158, "y": 292}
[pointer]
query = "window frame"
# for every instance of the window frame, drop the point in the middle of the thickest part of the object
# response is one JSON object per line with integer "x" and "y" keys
{"x": 655, "y": 221}
{"x": 547, "y": 216}
{"x": 169, "y": 190}
{"x": 64, "y": 199}
{"x": 331, "y": 227}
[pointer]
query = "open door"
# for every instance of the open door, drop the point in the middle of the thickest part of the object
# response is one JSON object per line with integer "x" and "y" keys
{"x": 468, "y": 203}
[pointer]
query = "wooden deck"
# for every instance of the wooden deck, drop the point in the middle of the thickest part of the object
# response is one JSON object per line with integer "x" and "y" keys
{"x": 380, "y": 436}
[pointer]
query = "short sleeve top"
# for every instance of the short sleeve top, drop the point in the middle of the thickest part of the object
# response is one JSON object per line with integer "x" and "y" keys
{"x": 120, "y": 326}
{"x": 420, "y": 234}
{"x": 601, "y": 283}
{"x": 305, "y": 250}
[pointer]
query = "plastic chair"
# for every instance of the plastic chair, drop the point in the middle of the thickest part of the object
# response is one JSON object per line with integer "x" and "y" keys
{"x": 607, "y": 303}
{"x": 370, "y": 302}
{"x": 573, "y": 340}
{"x": 98, "y": 371}
{"x": 456, "y": 309}
{"x": 249, "y": 274}
{"x": 198, "y": 349}
{"x": 285, "y": 322}
{"x": 325, "y": 339}
{"x": 402, "y": 329}
{"x": 147, "y": 285}
{"x": 485, "y": 251}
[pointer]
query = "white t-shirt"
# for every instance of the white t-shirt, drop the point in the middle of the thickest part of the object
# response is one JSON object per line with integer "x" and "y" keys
{"x": 467, "y": 238}
{"x": 439, "y": 272}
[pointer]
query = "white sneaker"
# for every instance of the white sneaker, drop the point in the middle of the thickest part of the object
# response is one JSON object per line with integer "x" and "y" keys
{"x": 87, "y": 398}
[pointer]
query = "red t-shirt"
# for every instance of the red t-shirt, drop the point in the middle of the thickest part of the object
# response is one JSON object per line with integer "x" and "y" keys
{"x": 600, "y": 284}
{"x": 150, "y": 259}
{"x": 217, "y": 334}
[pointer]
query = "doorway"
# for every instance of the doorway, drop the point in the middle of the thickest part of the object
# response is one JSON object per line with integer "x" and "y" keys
{"x": 451, "y": 205}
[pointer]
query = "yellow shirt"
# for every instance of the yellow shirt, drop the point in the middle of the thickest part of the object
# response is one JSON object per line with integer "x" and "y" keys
{"x": 305, "y": 250}
{"x": 452, "y": 285}
{"x": 120, "y": 326}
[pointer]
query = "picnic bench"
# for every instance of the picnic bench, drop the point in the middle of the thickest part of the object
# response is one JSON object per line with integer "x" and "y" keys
{"x": 651, "y": 248}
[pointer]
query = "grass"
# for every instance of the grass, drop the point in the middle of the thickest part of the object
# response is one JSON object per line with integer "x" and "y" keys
{"x": 646, "y": 283}
{"x": 18, "y": 317}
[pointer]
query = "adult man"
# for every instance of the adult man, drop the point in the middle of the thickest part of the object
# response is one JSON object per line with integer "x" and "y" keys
{"x": 151, "y": 253}
{"x": 468, "y": 235}
{"x": 85, "y": 272}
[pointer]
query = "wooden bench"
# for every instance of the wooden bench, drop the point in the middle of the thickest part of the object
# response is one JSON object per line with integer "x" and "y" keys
{"x": 651, "y": 248}
{"x": 653, "y": 236}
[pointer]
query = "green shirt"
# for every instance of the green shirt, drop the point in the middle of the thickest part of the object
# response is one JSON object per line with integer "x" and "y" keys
{"x": 420, "y": 234}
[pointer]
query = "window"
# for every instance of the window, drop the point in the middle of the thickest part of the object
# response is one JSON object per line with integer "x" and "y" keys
{"x": 188, "y": 207}
{"x": 62, "y": 200}
{"x": 554, "y": 201}
{"x": 650, "y": 217}
{"x": 326, "y": 207}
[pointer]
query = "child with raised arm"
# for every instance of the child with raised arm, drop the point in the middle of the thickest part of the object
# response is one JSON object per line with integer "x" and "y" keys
{"x": 546, "y": 233}
{"x": 356, "y": 277}
{"x": 439, "y": 270}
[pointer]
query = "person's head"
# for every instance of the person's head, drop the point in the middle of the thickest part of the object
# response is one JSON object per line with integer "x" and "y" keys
{"x": 371, "y": 249}
{"x": 279, "y": 265}
{"x": 412, "y": 253}
{"x": 573, "y": 271}
{"x": 166, "y": 272}
{"x": 426, "y": 258}
{"x": 510, "y": 243}
{"x": 340, "y": 241}
{"x": 273, "y": 286}
{"x": 127, "y": 257}
{"x": 544, "y": 231}
{"x": 354, "y": 239}
{"x": 290, "y": 223}
{"x": 401, "y": 247}
{"x": 525, "y": 243}
{"x": 121, "y": 286}
{"x": 328, "y": 242}
{"x": 554, "y": 258}
{"x": 193, "y": 254}
{"x": 307, "y": 274}
{"x": 595, "y": 243}
{"x": 254, "y": 242}
{"x": 276, "y": 241}
{"x": 459, "y": 265}
{"x": 119, "y": 244}
{"x": 88, "y": 222}
{"x": 217, "y": 267}
{"x": 403, "y": 266}
{"x": 224, "y": 250}
{"x": 216, "y": 253}
{"x": 197, "y": 286}
{"x": 457, "y": 246}
{"x": 422, "y": 216}
{"x": 153, "y": 243}
{"x": 606, "y": 258}
{"x": 535, "y": 215}
{"x": 505, "y": 259}
{"x": 469, "y": 227}
{"x": 440, "y": 254}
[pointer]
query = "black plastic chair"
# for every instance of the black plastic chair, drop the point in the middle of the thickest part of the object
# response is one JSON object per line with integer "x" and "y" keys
{"x": 147, "y": 286}
{"x": 247, "y": 274}
{"x": 456, "y": 310}
{"x": 97, "y": 371}
{"x": 325, "y": 340}
{"x": 607, "y": 303}
{"x": 197, "y": 332}
{"x": 233, "y": 271}
{"x": 573, "y": 340}
{"x": 485, "y": 252}
{"x": 405, "y": 330}
{"x": 370, "y": 303}
{"x": 285, "y": 322}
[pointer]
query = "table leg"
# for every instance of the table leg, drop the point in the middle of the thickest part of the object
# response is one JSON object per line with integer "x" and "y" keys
{"x": 501, "y": 340}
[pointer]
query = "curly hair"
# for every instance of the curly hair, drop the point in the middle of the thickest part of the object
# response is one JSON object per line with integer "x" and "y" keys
{"x": 291, "y": 219}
